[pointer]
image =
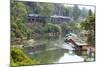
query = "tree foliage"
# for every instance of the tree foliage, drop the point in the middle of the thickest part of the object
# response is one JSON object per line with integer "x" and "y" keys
{"x": 76, "y": 12}
{"x": 19, "y": 12}
{"x": 18, "y": 15}
{"x": 89, "y": 25}
{"x": 18, "y": 58}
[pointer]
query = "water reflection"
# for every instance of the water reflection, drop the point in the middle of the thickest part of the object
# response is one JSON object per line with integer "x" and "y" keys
{"x": 70, "y": 58}
{"x": 52, "y": 52}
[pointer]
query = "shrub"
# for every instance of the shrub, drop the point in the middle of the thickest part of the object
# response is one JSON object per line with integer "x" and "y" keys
{"x": 18, "y": 57}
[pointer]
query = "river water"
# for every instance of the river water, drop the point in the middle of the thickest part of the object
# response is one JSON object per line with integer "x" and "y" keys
{"x": 54, "y": 50}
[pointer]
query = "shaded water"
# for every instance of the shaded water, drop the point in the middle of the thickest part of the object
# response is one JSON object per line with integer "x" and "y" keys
{"x": 51, "y": 51}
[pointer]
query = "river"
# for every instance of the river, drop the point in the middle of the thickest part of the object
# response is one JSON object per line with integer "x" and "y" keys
{"x": 54, "y": 50}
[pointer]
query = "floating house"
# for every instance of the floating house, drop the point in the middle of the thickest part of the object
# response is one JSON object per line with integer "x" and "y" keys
{"x": 56, "y": 16}
{"x": 35, "y": 18}
{"x": 78, "y": 43}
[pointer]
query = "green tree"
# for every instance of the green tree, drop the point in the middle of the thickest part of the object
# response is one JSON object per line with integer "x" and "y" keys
{"x": 18, "y": 15}
{"x": 53, "y": 27}
{"x": 76, "y": 12}
{"x": 68, "y": 11}
{"x": 89, "y": 25}
{"x": 18, "y": 58}
{"x": 84, "y": 12}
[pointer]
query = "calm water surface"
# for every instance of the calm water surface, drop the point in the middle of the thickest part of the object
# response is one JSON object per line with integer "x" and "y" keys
{"x": 50, "y": 51}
